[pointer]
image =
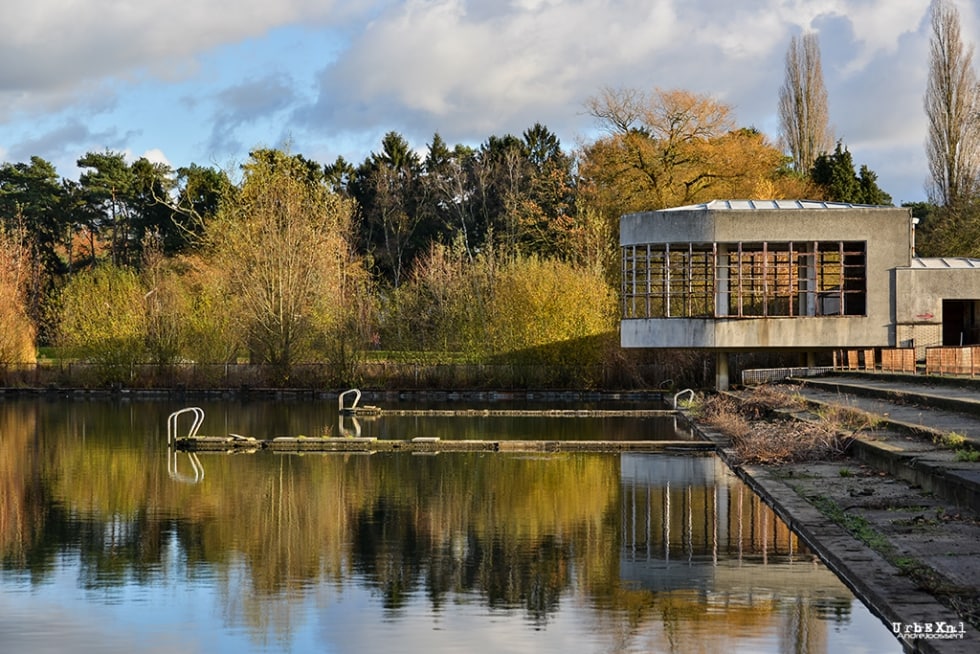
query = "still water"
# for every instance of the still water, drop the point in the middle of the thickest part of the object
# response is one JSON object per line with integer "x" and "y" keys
{"x": 109, "y": 545}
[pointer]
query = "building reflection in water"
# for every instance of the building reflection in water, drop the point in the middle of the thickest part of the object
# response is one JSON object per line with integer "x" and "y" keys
{"x": 694, "y": 537}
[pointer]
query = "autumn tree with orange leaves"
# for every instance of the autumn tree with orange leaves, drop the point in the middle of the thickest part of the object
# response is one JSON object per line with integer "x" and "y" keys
{"x": 17, "y": 333}
{"x": 669, "y": 149}
{"x": 673, "y": 148}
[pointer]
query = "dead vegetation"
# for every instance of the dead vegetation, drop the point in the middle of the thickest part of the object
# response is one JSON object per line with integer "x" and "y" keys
{"x": 762, "y": 432}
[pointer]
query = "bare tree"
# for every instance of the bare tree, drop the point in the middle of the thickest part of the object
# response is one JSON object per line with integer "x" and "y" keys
{"x": 618, "y": 110}
{"x": 803, "y": 116}
{"x": 952, "y": 104}
{"x": 285, "y": 244}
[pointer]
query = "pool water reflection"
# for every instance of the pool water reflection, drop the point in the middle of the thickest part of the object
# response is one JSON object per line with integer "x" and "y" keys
{"x": 103, "y": 550}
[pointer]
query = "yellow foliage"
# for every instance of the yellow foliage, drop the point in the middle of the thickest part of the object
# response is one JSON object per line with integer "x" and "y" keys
{"x": 167, "y": 308}
{"x": 17, "y": 335}
{"x": 212, "y": 333}
{"x": 525, "y": 310}
{"x": 284, "y": 251}
{"x": 546, "y": 308}
{"x": 284, "y": 245}
{"x": 103, "y": 318}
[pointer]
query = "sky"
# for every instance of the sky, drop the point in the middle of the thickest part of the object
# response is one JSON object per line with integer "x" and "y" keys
{"x": 206, "y": 81}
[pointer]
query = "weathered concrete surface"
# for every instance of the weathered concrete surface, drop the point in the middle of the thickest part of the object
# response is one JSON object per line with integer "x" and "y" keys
{"x": 886, "y": 231}
{"x": 918, "y": 542}
{"x": 915, "y": 417}
{"x": 919, "y": 560}
{"x": 914, "y": 401}
{"x": 530, "y": 413}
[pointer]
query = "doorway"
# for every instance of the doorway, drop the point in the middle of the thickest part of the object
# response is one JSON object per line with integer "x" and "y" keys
{"x": 960, "y": 322}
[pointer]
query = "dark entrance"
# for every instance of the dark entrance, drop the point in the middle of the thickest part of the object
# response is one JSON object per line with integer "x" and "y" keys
{"x": 960, "y": 326}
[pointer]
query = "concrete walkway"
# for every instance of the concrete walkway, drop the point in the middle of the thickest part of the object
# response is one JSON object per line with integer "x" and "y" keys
{"x": 933, "y": 405}
{"x": 899, "y": 518}
{"x": 916, "y": 420}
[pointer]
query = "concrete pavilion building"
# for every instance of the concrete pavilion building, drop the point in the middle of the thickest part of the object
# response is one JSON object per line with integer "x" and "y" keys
{"x": 790, "y": 275}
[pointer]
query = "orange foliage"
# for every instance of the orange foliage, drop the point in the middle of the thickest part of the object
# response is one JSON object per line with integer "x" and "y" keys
{"x": 675, "y": 148}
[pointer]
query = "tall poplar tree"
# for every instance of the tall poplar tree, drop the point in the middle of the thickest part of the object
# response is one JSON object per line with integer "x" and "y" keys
{"x": 952, "y": 104}
{"x": 803, "y": 115}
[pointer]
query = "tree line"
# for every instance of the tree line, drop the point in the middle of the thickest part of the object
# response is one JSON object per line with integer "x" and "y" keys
{"x": 503, "y": 251}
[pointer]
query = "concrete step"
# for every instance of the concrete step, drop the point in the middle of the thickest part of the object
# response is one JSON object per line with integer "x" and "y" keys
{"x": 960, "y": 395}
{"x": 911, "y": 440}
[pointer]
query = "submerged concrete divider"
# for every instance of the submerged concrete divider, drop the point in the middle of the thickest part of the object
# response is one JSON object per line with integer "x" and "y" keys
{"x": 365, "y": 445}
{"x": 528, "y": 413}
{"x": 193, "y": 442}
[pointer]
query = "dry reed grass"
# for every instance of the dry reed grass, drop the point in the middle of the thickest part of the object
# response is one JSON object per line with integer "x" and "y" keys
{"x": 758, "y": 435}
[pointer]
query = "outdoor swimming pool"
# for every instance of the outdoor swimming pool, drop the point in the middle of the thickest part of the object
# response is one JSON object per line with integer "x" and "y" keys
{"x": 104, "y": 550}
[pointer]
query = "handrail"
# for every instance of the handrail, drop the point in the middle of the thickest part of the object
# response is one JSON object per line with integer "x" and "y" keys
{"x": 353, "y": 406}
{"x": 178, "y": 476}
{"x": 172, "y": 420}
{"x": 686, "y": 391}
{"x": 344, "y": 432}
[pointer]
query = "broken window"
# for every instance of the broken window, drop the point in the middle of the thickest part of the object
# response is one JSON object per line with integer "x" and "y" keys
{"x": 744, "y": 279}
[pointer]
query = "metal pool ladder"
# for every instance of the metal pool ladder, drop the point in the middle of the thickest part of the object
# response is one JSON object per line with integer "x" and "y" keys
{"x": 687, "y": 391}
{"x": 172, "y": 453}
{"x": 198, "y": 414}
{"x": 353, "y": 407}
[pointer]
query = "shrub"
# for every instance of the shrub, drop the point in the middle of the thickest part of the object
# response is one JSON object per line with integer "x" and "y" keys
{"x": 103, "y": 320}
{"x": 952, "y": 440}
{"x": 214, "y": 334}
{"x": 847, "y": 419}
{"x": 545, "y": 311}
{"x": 534, "y": 313}
{"x": 757, "y": 440}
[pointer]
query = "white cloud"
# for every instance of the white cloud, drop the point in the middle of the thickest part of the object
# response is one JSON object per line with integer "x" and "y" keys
{"x": 156, "y": 155}
{"x": 464, "y": 68}
{"x": 59, "y": 47}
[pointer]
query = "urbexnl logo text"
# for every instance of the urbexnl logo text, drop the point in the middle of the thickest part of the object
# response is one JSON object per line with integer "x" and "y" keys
{"x": 929, "y": 630}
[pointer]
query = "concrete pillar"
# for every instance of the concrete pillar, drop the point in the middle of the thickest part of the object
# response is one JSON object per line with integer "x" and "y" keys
{"x": 808, "y": 280}
{"x": 722, "y": 274}
{"x": 721, "y": 371}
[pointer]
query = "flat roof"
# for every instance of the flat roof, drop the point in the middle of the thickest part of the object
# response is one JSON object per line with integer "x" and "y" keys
{"x": 944, "y": 263}
{"x": 782, "y": 205}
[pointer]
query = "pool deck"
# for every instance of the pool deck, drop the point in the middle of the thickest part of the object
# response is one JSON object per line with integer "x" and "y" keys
{"x": 912, "y": 550}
